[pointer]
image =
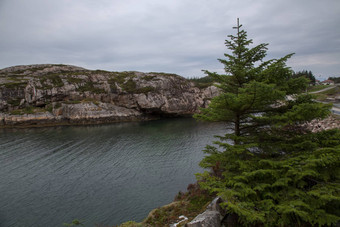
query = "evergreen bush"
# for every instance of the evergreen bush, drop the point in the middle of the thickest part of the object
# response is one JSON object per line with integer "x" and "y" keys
{"x": 268, "y": 168}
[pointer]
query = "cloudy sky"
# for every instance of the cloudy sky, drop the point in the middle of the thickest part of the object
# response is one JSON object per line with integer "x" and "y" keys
{"x": 177, "y": 36}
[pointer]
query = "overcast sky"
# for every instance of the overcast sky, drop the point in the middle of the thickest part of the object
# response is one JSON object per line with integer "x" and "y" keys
{"x": 177, "y": 36}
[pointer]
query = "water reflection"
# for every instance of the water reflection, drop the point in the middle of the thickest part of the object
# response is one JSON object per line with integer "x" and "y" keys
{"x": 103, "y": 174}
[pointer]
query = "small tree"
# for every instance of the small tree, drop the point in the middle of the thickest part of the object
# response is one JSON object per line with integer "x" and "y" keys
{"x": 307, "y": 74}
{"x": 269, "y": 169}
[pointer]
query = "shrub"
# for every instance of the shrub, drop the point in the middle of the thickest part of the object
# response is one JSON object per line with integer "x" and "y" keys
{"x": 202, "y": 82}
{"x": 14, "y": 102}
{"x": 148, "y": 78}
{"x": 15, "y": 85}
{"x": 129, "y": 86}
{"x": 89, "y": 86}
{"x": 74, "y": 80}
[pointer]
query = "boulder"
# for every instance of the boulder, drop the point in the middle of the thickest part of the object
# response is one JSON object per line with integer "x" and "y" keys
{"x": 206, "y": 219}
{"x": 212, "y": 216}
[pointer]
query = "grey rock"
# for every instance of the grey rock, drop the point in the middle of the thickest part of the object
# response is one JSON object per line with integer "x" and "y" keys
{"x": 77, "y": 95}
{"x": 215, "y": 206}
{"x": 206, "y": 219}
{"x": 212, "y": 216}
{"x": 318, "y": 125}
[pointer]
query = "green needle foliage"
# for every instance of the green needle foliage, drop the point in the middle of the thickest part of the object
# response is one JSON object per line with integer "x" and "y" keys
{"x": 269, "y": 169}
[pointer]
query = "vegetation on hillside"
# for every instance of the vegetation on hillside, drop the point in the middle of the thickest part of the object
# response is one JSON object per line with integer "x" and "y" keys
{"x": 46, "y": 77}
{"x": 269, "y": 169}
{"x": 189, "y": 204}
{"x": 306, "y": 74}
{"x": 328, "y": 94}
{"x": 317, "y": 87}
{"x": 202, "y": 82}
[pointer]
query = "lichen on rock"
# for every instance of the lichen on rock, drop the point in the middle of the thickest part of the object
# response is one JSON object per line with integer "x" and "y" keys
{"x": 74, "y": 95}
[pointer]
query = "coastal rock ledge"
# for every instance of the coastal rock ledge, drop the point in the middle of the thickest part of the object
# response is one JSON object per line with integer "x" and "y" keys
{"x": 38, "y": 95}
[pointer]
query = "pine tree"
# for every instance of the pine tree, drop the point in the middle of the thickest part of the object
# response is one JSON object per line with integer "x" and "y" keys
{"x": 307, "y": 74}
{"x": 267, "y": 167}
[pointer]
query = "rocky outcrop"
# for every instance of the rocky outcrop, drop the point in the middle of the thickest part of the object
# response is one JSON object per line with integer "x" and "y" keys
{"x": 318, "y": 125}
{"x": 63, "y": 94}
{"x": 212, "y": 216}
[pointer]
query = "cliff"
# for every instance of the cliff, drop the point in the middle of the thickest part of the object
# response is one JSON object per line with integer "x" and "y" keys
{"x": 63, "y": 94}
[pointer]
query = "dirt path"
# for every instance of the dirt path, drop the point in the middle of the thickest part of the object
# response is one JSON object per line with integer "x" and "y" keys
{"x": 325, "y": 89}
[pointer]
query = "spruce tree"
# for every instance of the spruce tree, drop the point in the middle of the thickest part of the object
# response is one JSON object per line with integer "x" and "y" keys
{"x": 307, "y": 74}
{"x": 268, "y": 168}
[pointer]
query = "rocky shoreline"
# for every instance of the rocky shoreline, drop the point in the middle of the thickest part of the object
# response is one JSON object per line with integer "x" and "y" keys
{"x": 50, "y": 95}
{"x": 213, "y": 214}
{"x": 44, "y": 95}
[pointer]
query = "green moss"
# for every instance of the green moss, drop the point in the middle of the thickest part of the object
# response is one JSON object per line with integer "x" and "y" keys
{"x": 14, "y": 102}
{"x": 72, "y": 102}
{"x": 113, "y": 86}
{"x": 58, "y": 105}
{"x": 44, "y": 84}
{"x": 126, "y": 74}
{"x": 165, "y": 74}
{"x": 73, "y": 80}
{"x": 19, "y": 80}
{"x": 202, "y": 82}
{"x": 74, "y": 223}
{"x": 101, "y": 71}
{"x": 78, "y": 73}
{"x": 27, "y": 110}
{"x": 33, "y": 70}
{"x": 16, "y": 112}
{"x": 145, "y": 90}
{"x": 189, "y": 204}
{"x": 49, "y": 108}
{"x": 196, "y": 203}
{"x": 129, "y": 86}
{"x": 120, "y": 78}
{"x": 49, "y": 79}
{"x": 148, "y": 78}
{"x": 89, "y": 86}
{"x": 96, "y": 102}
{"x": 13, "y": 85}
{"x": 56, "y": 80}
{"x": 126, "y": 82}
{"x": 16, "y": 77}
{"x": 131, "y": 224}
{"x": 18, "y": 72}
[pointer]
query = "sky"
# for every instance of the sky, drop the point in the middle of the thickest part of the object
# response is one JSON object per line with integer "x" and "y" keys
{"x": 174, "y": 36}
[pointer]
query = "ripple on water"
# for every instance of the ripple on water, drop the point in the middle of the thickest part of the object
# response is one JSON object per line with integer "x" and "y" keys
{"x": 104, "y": 174}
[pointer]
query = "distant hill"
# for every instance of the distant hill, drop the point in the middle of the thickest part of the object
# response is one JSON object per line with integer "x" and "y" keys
{"x": 48, "y": 94}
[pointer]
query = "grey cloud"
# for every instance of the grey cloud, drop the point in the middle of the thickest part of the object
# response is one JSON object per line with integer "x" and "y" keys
{"x": 177, "y": 36}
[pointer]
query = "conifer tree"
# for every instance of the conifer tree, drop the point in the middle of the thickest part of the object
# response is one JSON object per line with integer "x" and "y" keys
{"x": 307, "y": 74}
{"x": 267, "y": 167}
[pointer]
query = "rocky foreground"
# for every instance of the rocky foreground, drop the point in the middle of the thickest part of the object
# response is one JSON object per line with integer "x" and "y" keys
{"x": 38, "y": 95}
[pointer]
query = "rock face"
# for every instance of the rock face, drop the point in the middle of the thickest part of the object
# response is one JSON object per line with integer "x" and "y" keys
{"x": 212, "y": 216}
{"x": 63, "y": 94}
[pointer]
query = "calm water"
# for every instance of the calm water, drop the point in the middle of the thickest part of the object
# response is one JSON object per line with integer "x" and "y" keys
{"x": 101, "y": 175}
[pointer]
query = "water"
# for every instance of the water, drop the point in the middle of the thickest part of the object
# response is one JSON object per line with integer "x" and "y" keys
{"x": 102, "y": 175}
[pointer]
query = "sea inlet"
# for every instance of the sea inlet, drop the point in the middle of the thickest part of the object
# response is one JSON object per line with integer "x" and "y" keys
{"x": 101, "y": 175}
